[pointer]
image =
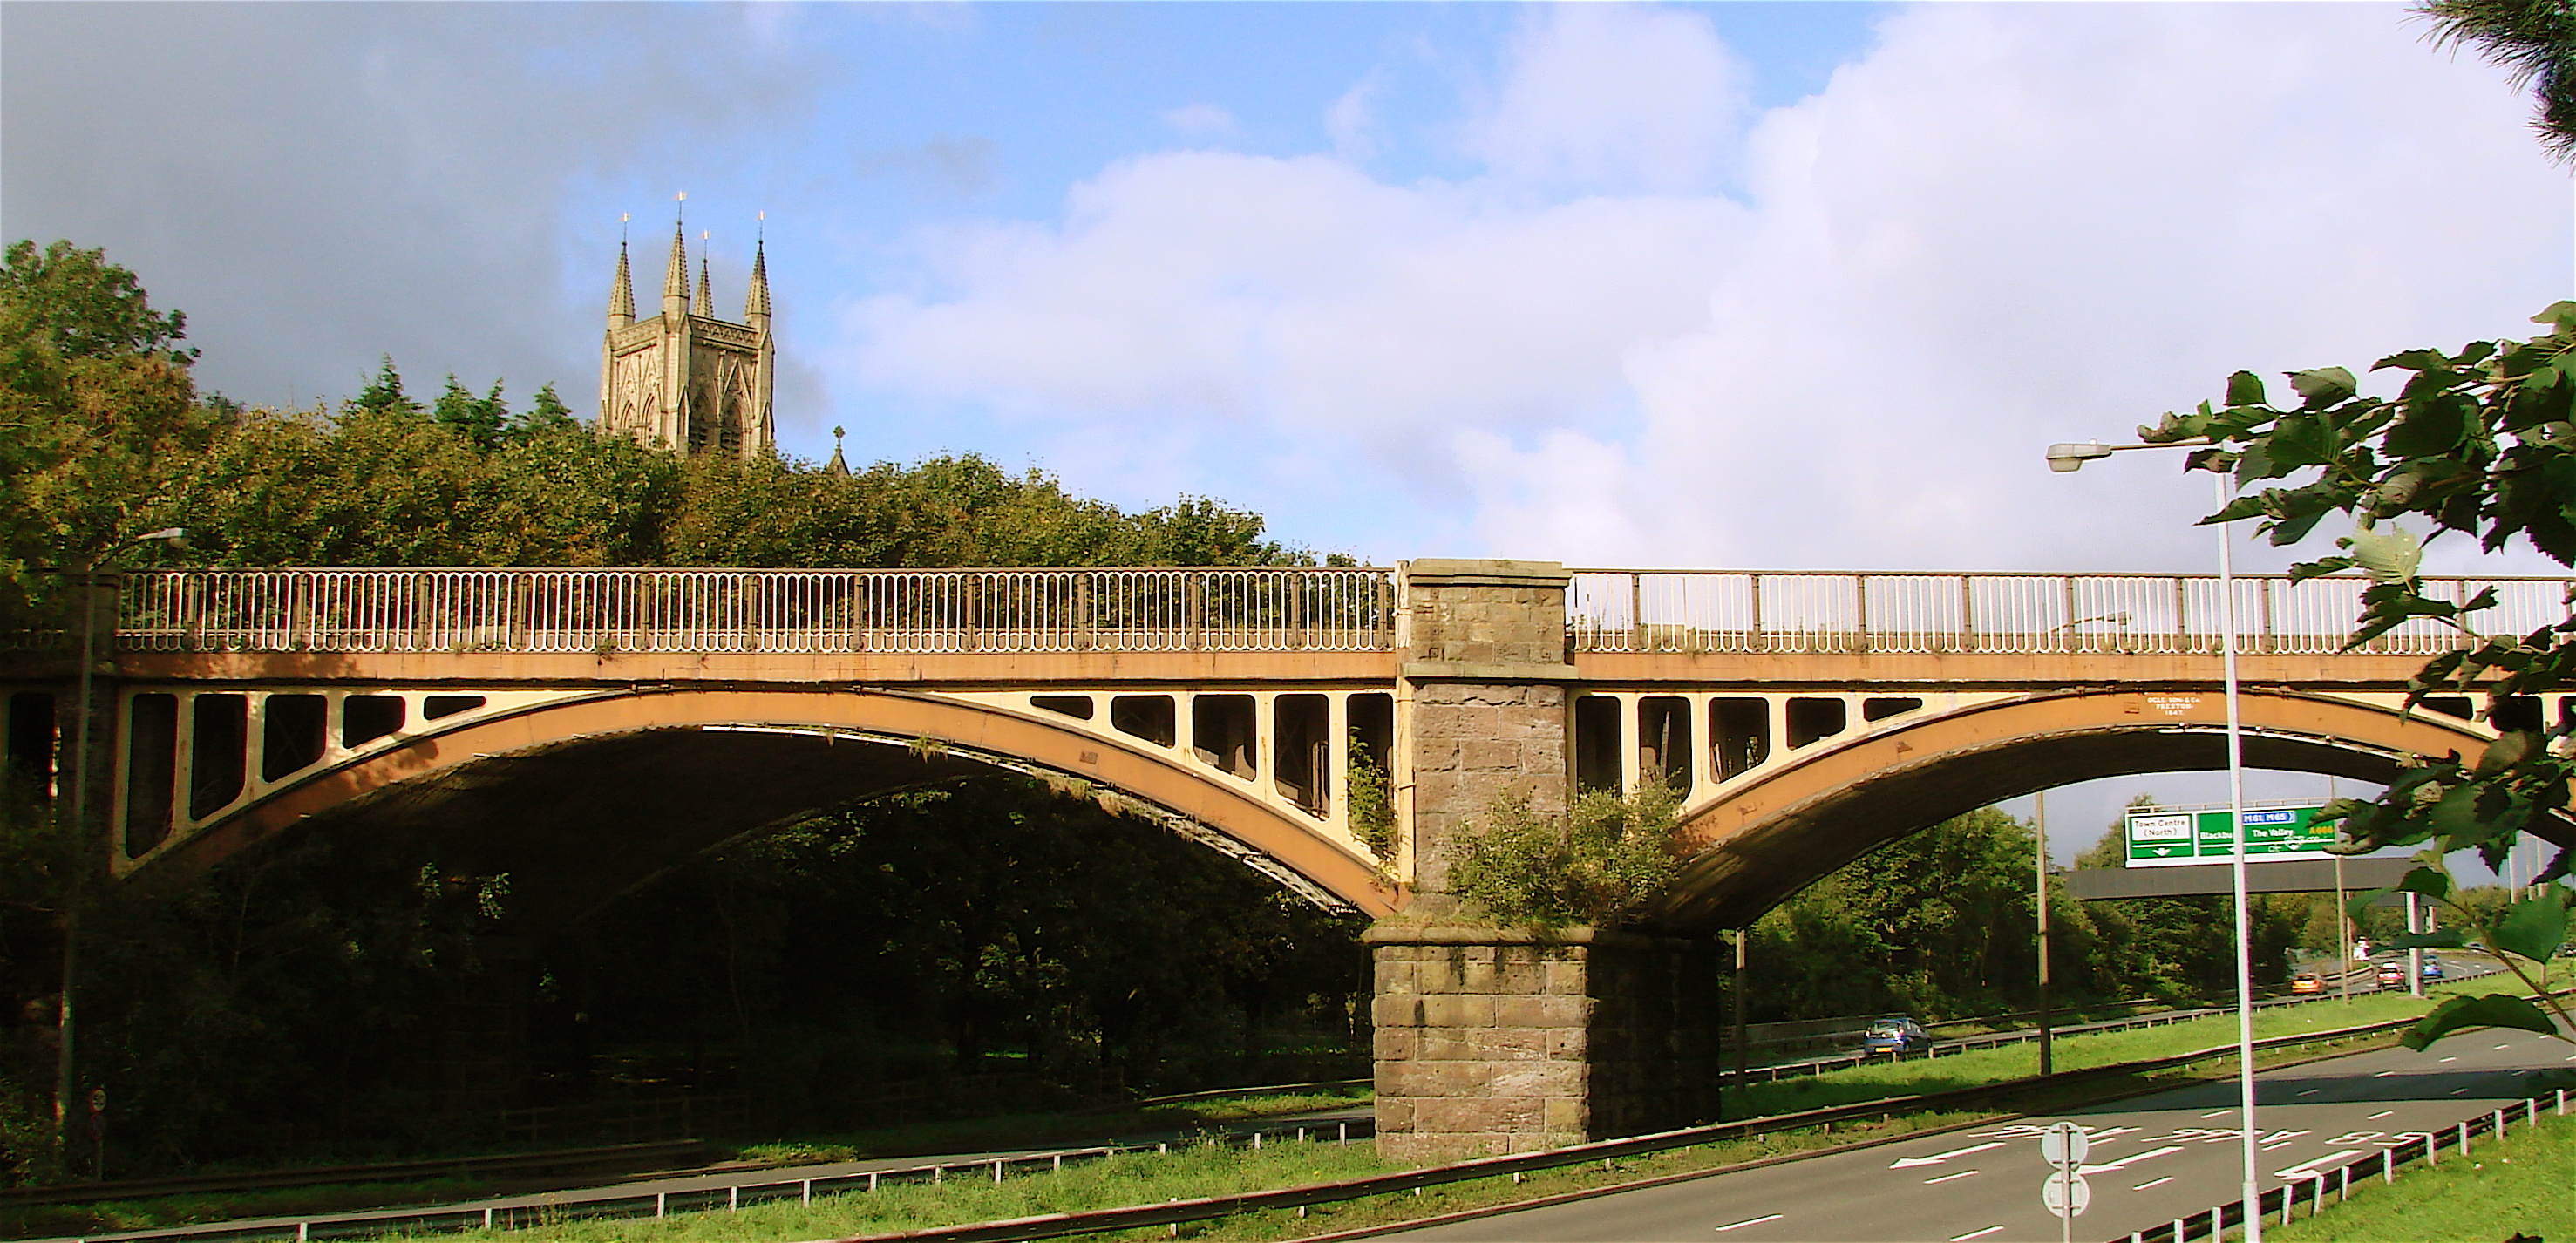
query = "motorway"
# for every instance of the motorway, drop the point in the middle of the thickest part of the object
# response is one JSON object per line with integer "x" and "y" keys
{"x": 2153, "y": 1159}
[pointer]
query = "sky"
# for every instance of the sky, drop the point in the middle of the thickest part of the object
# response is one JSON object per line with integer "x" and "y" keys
{"x": 1733, "y": 285}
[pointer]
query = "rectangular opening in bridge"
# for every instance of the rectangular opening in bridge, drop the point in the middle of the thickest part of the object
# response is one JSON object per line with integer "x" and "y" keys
{"x": 436, "y": 706}
{"x": 151, "y": 770}
{"x": 216, "y": 760}
{"x": 1664, "y": 740}
{"x": 292, "y": 734}
{"x": 1811, "y": 720}
{"x": 1597, "y": 743}
{"x": 1149, "y": 717}
{"x": 1739, "y": 734}
{"x": 2457, "y": 707}
{"x": 31, "y": 745}
{"x": 1221, "y": 732}
{"x": 366, "y": 718}
{"x": 1303, "y": 726}
{"x": 1076, "y": 706}
{"x": 1372, "y": 722}
{"x": 2515, "y": 712}
{"x": 1880, "y": 708}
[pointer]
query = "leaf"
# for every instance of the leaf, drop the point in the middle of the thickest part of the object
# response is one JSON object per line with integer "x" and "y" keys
{"x": 2324, "y": 386}
{"x": 2456, "y": 819}
{"x": 2438, "y": 939}
{"x": 2430, "y": 882}
{"x": 2464, "y": 1013}
{"x": 2509, "y": 749}
{"x": 2358, "y": 905}
{"x": 2534, "y": 927}
{"x": 2390, "y": 553}
{"x": 2244, "y": 389}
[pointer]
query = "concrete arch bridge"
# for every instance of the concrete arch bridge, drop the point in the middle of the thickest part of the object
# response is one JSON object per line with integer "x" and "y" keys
{"x": 586, "y": 729}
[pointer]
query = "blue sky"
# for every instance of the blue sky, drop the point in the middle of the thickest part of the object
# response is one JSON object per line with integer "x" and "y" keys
{"x": 1724, "y": 285}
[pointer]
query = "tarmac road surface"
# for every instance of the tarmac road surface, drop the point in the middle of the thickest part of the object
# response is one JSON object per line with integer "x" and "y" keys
{"x": 2153, "y": 1159}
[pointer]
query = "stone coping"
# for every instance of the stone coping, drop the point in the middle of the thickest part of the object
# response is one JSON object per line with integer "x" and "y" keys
{"x": 1465, "y": 572}
{"x": 1476, "y": 934}
{"x": 1471, "y": 671}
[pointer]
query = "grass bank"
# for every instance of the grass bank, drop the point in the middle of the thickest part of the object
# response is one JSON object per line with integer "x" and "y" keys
{"x": 2523, "y": 1184}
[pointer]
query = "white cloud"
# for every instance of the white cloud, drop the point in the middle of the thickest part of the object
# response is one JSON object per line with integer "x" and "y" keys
{"x": 1200, "y": 121}
{"x": 1606, "y": 97}
{"x": 2007, "y": 225}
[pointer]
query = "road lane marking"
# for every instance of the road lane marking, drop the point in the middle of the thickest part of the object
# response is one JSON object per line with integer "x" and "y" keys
{"x": 2457, "y": 1091}
{"x": 1963, "y": 1238}
{"x": 2158, "y": 1183}
{"x": 2218, "y": 1113}
{"x": 1947, "y": 1177}
{"x": 2107, "y": 1132}
{"x": 2131, "y": 1160}
{"x": 2307, "y": 1168}
{"x": 2386, "y": 1073}
{"x": 2503, "y": 1047}
{"x": 1753, "y": 1222}
{"x": 2310, "y": 1092}
{"x": 2450, "y": 1059}
{"x": 1907, "y": 1163}
{"x": 2381, "y": 1114}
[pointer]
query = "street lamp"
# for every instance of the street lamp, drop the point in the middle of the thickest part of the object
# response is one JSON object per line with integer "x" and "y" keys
{"x": 177, "y": 538}
{"x": 2069, "y": 457}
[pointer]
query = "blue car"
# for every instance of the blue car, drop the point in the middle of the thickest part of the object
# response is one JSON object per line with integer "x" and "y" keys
{"x": 2432, "y": 967}
{"x": 1894, "y": 1036}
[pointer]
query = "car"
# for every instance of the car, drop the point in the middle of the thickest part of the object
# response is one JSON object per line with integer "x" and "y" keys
{"x": 1894, "y": 1035}
{"x": 2392, "y": 975}
{"x": 2308, "y": 982}
{"x": 2432, "y": 967}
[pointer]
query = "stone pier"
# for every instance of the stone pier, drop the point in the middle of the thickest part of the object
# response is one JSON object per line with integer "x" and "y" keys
{"x": 1507, "y": 1040}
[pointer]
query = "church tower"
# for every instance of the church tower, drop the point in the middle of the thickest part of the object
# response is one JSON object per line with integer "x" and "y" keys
{"x": 684, "y": 379}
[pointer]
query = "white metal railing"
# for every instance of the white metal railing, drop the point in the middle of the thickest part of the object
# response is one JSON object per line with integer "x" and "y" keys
{"x": 2037, "y": 614}
{"x": 562, "y": 610}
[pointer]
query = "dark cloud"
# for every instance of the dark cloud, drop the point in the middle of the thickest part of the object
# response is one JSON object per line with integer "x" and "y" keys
{"x": 319, "y": 184}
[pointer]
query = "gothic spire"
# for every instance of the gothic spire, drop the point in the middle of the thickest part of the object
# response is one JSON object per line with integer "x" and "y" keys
{"x": 756, "y": 303}
{"x": 675, "y": 279}
{"x": 621, "y": 295}
{"x": 705, "y": 302}
{"x": 838, "y": 465}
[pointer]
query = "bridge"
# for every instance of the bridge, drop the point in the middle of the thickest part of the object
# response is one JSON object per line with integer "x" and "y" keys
{"x": 587, "y": 729}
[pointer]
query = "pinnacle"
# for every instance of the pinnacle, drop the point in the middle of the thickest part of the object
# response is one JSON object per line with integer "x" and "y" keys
{"x": 757, "y": 301}
{"x": 704, "y": 300}
{"x": 621, "y": 295}
{"x": 675, "y": 279}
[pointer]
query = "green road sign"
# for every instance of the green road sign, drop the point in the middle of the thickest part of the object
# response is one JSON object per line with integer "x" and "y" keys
{"x": 2272, "y": 834}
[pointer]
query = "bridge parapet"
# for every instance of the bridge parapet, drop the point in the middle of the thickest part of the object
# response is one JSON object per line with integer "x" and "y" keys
{"x": 2013, "y": 614}
{"x": 629, "y": 610}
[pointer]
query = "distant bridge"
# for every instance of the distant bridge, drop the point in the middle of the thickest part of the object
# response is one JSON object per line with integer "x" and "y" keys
{"x": 586, "y": 730}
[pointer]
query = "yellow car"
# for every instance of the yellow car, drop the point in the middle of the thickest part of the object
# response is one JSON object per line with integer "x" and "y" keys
{"x": 2308, "y": 982}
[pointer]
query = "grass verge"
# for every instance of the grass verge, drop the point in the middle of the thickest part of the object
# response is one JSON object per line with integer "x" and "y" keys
{"x": 2523, "y": 1184}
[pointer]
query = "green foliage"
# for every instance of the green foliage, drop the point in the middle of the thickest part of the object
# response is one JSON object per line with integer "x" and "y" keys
{"x": 1591, "y": 865}
{"x": 1372, "y": 803}
{"x": 77, "y": 304}
{"x": 483, "y": 420}
{"x": 2535, "y": 40}
{"x": 2481, "y": 443}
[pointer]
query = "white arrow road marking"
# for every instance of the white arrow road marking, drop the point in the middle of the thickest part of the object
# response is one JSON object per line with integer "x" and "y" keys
{"x": 1752, "y": 1222}
{"x": 1907, "y": 1163}
{"x": 2304, "y": 1169}
{"x": 2130, "y": 1160}
{"x": 2107, "y": 1132}
{"x": 1947, "y": 1177}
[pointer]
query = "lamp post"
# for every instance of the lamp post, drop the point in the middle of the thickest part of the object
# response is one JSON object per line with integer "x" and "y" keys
{"x": 175, "y": 537}
{"x": 2065, "y": 458}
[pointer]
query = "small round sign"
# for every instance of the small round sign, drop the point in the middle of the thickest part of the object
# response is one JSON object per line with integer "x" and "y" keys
{"x": 2064, "y": 1145}
{"x": 2066, "y": 1194}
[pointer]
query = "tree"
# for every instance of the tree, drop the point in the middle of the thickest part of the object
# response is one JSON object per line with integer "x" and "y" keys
{"x": 2533, "y": 39}
{"x": 82, "y": 306}
{"x": 484, "y": 420}
{"x": 2478, "y": 443}
{"x": 385, "y": 392}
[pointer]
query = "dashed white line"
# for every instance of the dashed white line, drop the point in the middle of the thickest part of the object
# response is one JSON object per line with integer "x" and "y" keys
{"x": 2457, "y": 1091}
{"x": 2218, "y": 1113}
{"x": 1751, "y": 1222}
{"x": 2311, "y": 1092}
{"x": 2381, "y": 1114}
{"x": 2503, "y": 1046}
{"x": 2386, "y": 1073}
{"x": 2450, "y": 1059}
{"x": 1963, "y": 1238}
{"x": 2158, "y": 1183}
{"x": 1947, "y": 1177}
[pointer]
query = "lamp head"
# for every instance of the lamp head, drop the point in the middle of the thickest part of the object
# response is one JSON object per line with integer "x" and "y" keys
{"x": 175, "y": 537}
{"x": 2065, "y": 458}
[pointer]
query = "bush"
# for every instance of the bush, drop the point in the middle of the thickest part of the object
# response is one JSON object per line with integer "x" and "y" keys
{"x": 1594, "y": 864}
